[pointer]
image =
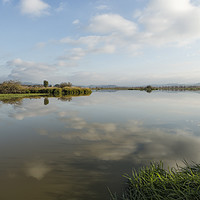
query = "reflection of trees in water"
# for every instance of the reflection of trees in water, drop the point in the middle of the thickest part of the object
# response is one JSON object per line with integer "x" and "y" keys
{"x": 46, "y": 101}
{"x": 14, "y": 101}
{"x": 63, "y": 98}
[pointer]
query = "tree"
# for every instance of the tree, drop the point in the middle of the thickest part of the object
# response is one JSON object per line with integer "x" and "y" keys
{"x": 64, "y": 84}
{"x": 149, "y": 88}
{"x": 45, "y": 83}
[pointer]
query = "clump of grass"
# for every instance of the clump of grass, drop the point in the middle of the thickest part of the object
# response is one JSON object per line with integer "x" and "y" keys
{"x": 156, "y": 183}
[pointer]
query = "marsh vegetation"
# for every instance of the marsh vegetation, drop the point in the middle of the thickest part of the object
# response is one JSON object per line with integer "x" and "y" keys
{"x": 14, "y": 89}
{"x": 156, "y": 182}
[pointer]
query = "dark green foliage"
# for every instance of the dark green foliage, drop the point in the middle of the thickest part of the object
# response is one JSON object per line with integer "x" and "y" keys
{"x": 156, "y": 183}
{"x": 45, "y": 83}
{"x": 148, "y": 88}
{"x": 57, "y": 92}
{"x": 76, "y": 91}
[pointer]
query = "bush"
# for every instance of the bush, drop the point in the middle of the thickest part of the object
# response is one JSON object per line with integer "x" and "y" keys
{"x": 11, "y": 87}
{"x": 64, "y": 84}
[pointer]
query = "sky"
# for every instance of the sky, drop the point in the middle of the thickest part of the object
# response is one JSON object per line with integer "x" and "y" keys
{"x": 100, "y": 42}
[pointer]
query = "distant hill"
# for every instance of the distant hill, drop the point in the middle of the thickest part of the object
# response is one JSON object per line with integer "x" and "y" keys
{"x": 29, "y": 83}
{"x": 102, "y": 86}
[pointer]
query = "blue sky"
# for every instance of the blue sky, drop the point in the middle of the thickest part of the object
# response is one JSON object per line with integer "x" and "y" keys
{"x": 122, "y": 42}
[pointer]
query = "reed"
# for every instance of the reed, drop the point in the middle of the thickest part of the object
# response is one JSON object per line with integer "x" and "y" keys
{"x": 156, "y": 183}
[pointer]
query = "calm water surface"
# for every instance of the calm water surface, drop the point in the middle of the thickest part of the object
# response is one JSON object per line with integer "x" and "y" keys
{"x": 71, "y": 149}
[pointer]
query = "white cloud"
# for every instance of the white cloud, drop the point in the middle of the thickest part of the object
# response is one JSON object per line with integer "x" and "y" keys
{"x": 34, "y": 8}
{"x": 76, "y": 21}
{"x": 109, "y": 23}
{"x": 74, "y": 54}
{"x": 88, "y": 45}
{"x": 102, "y": 7}
{"x": 170, "y": 22}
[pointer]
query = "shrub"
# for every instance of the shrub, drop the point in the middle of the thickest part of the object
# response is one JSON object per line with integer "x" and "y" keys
{"x": 11, "y": 87}
{"x": 64, "y": 84}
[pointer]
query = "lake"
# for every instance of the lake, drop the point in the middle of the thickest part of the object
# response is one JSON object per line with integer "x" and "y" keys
{"x": 75, "y": 148}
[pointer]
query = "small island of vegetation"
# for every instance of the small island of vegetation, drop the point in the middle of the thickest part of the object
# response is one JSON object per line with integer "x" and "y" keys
{"x": 14, "y": 89}
{"x": 150, "y": 88}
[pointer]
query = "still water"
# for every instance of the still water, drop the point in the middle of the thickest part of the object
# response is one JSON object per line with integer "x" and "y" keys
{"x": 74, "y": 148}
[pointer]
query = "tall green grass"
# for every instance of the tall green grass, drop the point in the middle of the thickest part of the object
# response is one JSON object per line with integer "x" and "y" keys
{"x": 156, "y": 183}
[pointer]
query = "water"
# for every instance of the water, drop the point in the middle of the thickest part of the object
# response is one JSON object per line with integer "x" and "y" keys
{"x": 58, "y": 149}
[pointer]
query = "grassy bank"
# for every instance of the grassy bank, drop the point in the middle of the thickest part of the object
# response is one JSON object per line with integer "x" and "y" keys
{"x": 9, "y": 96}
{"x": 156, "y": 183}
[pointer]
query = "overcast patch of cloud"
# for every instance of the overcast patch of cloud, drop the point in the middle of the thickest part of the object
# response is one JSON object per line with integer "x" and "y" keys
{"x": 36, "y": 72}
{"x": 35, "y": 8}
{"x": 28, "y": 70}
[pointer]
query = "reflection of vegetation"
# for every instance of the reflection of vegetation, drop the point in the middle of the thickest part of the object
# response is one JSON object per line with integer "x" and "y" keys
{"x": 16, "y": 101}
{"x": 10, "y": 96}
{"x": 46, "y": 101}
{"x": 154, "y": 182}
{"x": 16, "y": 98}
{"x": 65, "y": 98}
